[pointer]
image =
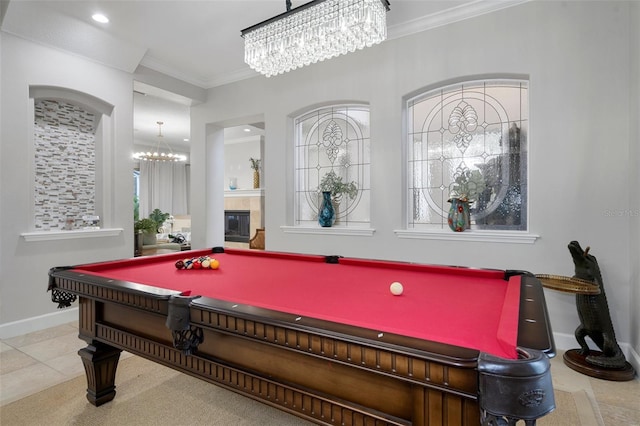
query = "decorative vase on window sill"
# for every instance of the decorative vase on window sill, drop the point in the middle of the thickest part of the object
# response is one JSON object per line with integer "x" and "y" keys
{"x": 326, "y": 214}
{"x": 459, "y": 217}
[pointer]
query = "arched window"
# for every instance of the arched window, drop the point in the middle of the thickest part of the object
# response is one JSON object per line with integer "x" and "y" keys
{"x": 473, "y": 132}
{"x": 332, "y": 153}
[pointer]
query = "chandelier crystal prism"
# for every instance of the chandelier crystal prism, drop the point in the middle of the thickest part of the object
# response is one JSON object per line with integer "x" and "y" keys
{"x": 313, "y": 32}
{"x": 157, "y": 154}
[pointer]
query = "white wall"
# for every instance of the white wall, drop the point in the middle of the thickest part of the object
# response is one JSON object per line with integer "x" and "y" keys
{"x": 236, "y": 161}
{"x": 577, "y": 57}
{"x": 24, "y": 265}
{"x": 634, "y": 187}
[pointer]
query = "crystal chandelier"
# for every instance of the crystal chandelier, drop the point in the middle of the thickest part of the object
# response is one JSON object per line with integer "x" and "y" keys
{"x": 158, "y": 155}
{"x": 315, "y": 31}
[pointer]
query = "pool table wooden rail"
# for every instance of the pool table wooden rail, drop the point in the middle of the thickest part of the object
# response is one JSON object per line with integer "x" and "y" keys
{"x": 325, "y": 372}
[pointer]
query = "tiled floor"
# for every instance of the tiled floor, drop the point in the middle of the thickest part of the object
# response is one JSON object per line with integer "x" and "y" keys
{"x": 45, "y": 358}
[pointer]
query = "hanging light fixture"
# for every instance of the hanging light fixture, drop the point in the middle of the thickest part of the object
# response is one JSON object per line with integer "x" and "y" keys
{"x": 315, "y": 31}
{"x": 158, "y": 155}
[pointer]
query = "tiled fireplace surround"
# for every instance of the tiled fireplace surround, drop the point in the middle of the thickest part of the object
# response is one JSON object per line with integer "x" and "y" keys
{"x": 246, "y": 199}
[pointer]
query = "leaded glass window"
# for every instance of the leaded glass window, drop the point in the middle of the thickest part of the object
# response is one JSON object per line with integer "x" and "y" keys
{"x": 475, "y": 129}
{"x": 332, "y": 146}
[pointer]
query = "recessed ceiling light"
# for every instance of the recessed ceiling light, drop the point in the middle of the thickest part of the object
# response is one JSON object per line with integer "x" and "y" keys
{"x": 99, "y": 17}
{"x": 246, "y": 129}
{"x": 185, "y": 140}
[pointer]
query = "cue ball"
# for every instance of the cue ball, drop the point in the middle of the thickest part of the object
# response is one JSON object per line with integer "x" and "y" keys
{"x": 396, "y": 288}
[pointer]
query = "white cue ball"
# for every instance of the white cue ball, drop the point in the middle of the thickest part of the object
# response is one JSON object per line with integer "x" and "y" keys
{"x": 396, "y": 288}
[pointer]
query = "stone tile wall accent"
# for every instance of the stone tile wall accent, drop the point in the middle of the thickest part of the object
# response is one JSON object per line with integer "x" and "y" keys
{"x": 65, "y": 164}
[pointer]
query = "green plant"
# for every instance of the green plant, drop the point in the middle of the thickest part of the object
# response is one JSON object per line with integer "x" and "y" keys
{"x": 136, "y": 208}
{"x": 159, "y": 218}
{"x": 255, "y": 163}
{"x": 331, "y": 182}
{"x": 468, "y": 185}
{"x": 145, "y": 225}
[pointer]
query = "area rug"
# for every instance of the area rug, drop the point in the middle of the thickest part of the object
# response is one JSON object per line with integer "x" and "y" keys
{"x": 150, "y": 394}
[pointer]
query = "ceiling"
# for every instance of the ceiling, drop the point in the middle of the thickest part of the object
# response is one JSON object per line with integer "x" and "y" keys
{"x": 195, "y": 41}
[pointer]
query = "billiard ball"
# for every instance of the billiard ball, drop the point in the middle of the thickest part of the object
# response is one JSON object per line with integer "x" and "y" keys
{"x": 214, "y": 264}
{"x": 396, "y": 288}
{"x": 180, "y": 264}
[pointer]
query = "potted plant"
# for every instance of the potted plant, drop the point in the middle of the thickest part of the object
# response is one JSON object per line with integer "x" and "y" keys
{"x": 159, "y": 218}
{"x": 332, "y": 184}
{"x": 464, "y": 191}
{"x": 148, "y": 228}
{"x": 137, "y": 232}
{"x": 136, "y": 208}
{"x": 468, "y": 185}
{"x": 255, "y": 165}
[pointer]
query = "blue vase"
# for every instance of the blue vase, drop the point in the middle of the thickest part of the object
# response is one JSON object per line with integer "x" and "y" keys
{"x": 326, "y": 214}
{"x": 459, "y": 216}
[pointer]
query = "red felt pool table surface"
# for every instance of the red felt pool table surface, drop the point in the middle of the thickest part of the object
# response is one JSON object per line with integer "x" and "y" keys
{"x": 471, "y": 308}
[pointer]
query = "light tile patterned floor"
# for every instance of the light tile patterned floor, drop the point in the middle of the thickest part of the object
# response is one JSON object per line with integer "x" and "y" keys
{"x": 39, "y": 360}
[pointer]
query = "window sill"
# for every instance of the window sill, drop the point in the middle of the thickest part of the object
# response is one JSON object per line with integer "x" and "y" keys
{"x": 333, "y": 230}
{"x": 70, "y": 235}
{"x": 469, "y": 235}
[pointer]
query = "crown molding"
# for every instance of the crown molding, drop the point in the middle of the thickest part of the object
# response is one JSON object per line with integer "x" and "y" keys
{"x": 158, "y": 66}
{"x": 449, "y": 16}
{"x": 57, "y": 31}
{"x": 231, "y": 77}
{"x": 204, "y": 83}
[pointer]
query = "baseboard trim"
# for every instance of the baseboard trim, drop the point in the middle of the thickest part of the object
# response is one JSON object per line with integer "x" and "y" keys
{"x": 29, "y": 325}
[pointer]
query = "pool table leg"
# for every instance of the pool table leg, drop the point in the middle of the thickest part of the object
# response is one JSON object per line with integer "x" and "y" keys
{"x": 100, "y": 363}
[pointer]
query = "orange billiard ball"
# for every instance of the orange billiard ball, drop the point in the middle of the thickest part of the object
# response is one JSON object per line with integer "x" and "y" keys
{"x": 214, "y": 264}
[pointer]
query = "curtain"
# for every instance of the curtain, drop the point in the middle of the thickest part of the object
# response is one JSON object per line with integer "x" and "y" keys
{"x": 164, "y": 186}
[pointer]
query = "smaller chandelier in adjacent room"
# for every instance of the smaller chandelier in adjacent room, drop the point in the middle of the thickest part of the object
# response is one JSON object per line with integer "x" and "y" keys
{"x": 315, "y": 31}
{"x": 157, "y": 154}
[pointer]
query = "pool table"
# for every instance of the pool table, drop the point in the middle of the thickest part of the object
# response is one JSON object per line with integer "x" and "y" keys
{"x": 321, "y": 337}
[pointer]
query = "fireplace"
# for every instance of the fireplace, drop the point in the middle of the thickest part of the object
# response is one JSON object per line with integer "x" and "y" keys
{"x": 236, "y": 226}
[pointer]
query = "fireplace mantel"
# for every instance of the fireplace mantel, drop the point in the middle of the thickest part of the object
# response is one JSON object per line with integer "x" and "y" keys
{"x": 245, "y": 193}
